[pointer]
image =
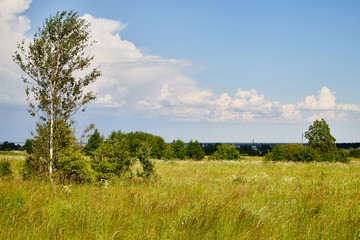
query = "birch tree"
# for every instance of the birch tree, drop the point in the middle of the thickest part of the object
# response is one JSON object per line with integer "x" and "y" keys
{"x": 54, "y": 63}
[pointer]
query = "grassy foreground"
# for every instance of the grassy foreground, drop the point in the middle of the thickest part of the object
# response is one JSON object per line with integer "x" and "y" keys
{"x": 190, "y": 200}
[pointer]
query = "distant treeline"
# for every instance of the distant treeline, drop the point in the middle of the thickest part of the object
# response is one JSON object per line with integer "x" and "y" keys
{"x": 348, "y": 145}
{"x": 259, "y": 149}
{"x": 244, "y": 149}
{"x": 9, "y": 146}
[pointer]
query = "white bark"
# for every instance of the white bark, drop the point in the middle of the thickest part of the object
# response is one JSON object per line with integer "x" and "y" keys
{"x": 51, "y": 141}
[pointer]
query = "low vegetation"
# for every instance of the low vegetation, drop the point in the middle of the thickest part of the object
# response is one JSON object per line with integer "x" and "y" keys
{"x": 248, "y": 199}
{"x": 320, "y": 148}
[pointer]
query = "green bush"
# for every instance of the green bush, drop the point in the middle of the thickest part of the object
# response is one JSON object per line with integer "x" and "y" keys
{"x": 72, "y": 166}
{"x": 112, "y": 157}
{"x": 168, "y": 152}
{"x": 226, "y": 152}
{"x": 355, "y": 153}
{"x": 298, "y": 153}
{"x": 143, "y": 153}
{"x": 179, "y": 149}
{"x": 291, "y": 152}
{"x": 195, "y": 151}
{"x": 307, "y": 154}
{"x": 34, "y": 167}
{"x": 93, "y": 143}
{"x": 277, "y": 153}
{"x": 5, "y": 168}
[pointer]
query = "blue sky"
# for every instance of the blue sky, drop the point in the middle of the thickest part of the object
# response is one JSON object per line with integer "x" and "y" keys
{"x": 205, "y": 70}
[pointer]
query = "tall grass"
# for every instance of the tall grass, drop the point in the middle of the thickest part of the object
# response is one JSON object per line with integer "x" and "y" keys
{"x": 245, "y": 199}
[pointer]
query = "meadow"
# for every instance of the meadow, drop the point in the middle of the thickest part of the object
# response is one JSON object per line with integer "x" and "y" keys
{"x": 246, "y": 199}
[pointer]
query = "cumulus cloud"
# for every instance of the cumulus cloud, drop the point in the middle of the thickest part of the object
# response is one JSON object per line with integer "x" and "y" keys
{"x": 324, "y": 101}
{"x": 158, "y": 86}
{"x": 152, "y": 85}
{"x": 12, "y": 29}
{"x": 324, "y": 106}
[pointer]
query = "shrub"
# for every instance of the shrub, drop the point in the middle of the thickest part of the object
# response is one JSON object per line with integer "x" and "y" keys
{"x": 294, "y": 152}
{"x": 157, "y": 144}
{"x": 291, "y": 152}
{"x": 34, "y": 167}
{"x": 112, "y": 157}
{"x": 73, "y": 167}
{"x": 355, "y": 153}
{"x": 226, "y": 152}
{"x": 342, "y": 156}
{"x": 5, "y": 169}
{"x": 179, "y": 149}
{"x": 143, "y": 152}
{"x": 93, "y": 143}
{"x": 29, "y": 146}
{"x": 277, "y": 153}
{"x": 195, "y": 151}
{"x": 307, "y": 154}
{"x": 168, "y": 152}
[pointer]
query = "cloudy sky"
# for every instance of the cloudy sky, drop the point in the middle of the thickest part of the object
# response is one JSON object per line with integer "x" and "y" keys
{"x": 216, "y": 71}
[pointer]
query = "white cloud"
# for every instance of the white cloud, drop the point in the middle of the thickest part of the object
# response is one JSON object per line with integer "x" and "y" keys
{"x": 328, "y": 115}
{"x": 136, "y": 83}
{"x": 158, "y": 86}
{"x": 324, "y": 106}
{"x": 12, "y": 29}
{"x": 324, "y": 101}
{"x": 289, "y": 111}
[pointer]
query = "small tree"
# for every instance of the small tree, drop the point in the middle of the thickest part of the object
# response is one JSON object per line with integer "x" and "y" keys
{"x": 319, "y": 137}
{"x": 143, "y": 152}
{"x": 112, "y": 157}
{"x": 179, "y": 149}
{"x": 53, "y": 90}
{"x": 226, "y": 152}
{"x": 195, "y": 151}
{"x": 94, "y": 142}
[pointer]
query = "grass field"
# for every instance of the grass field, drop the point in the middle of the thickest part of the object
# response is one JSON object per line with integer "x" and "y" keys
{"x": 245, "y": 199}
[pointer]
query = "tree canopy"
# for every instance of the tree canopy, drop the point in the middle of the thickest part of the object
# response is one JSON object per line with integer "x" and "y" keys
{"x": 319, "y": 136}
{"x": 54, "y": 63}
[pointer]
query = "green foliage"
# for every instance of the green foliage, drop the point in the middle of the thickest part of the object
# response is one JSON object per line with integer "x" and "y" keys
{"x": 55, "y": 90}
{"x": 73, "y": 167}
{"x": 337, "y": 155}
{"x": 307, "y": 154}
{"x": 5, "y": 168}
{"x": 355, "y": 153}
{"x": 157, "y": 144}
{"x": 291, "y": 152}
{"x": 9, "y": 146}
{"x": 94, "y": 142}
{"x": 321, "y": 147}
{"x": 168, "y": 152}
{"x": 34, "y": 167}
{"x": 319, "y": 137}
{"x": 50, "y": 60}
{"x": 277, "y": 153}
{"x": 112, "y": 157}
{"x": 143, "y": 152}
{"x": 226, "y": 152}
{"x": 29, "y": 146}
{"x": 179, "y": 149}
{"x": 37, "y": 163}
{"x": 195, "y": 151}
{"x": 210, "y": 148}
{"x": 249, "y": 151}
{"x": 298, "y": 153}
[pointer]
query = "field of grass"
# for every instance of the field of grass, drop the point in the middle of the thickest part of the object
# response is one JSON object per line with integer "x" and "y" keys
{"x": 246, "y": 199}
